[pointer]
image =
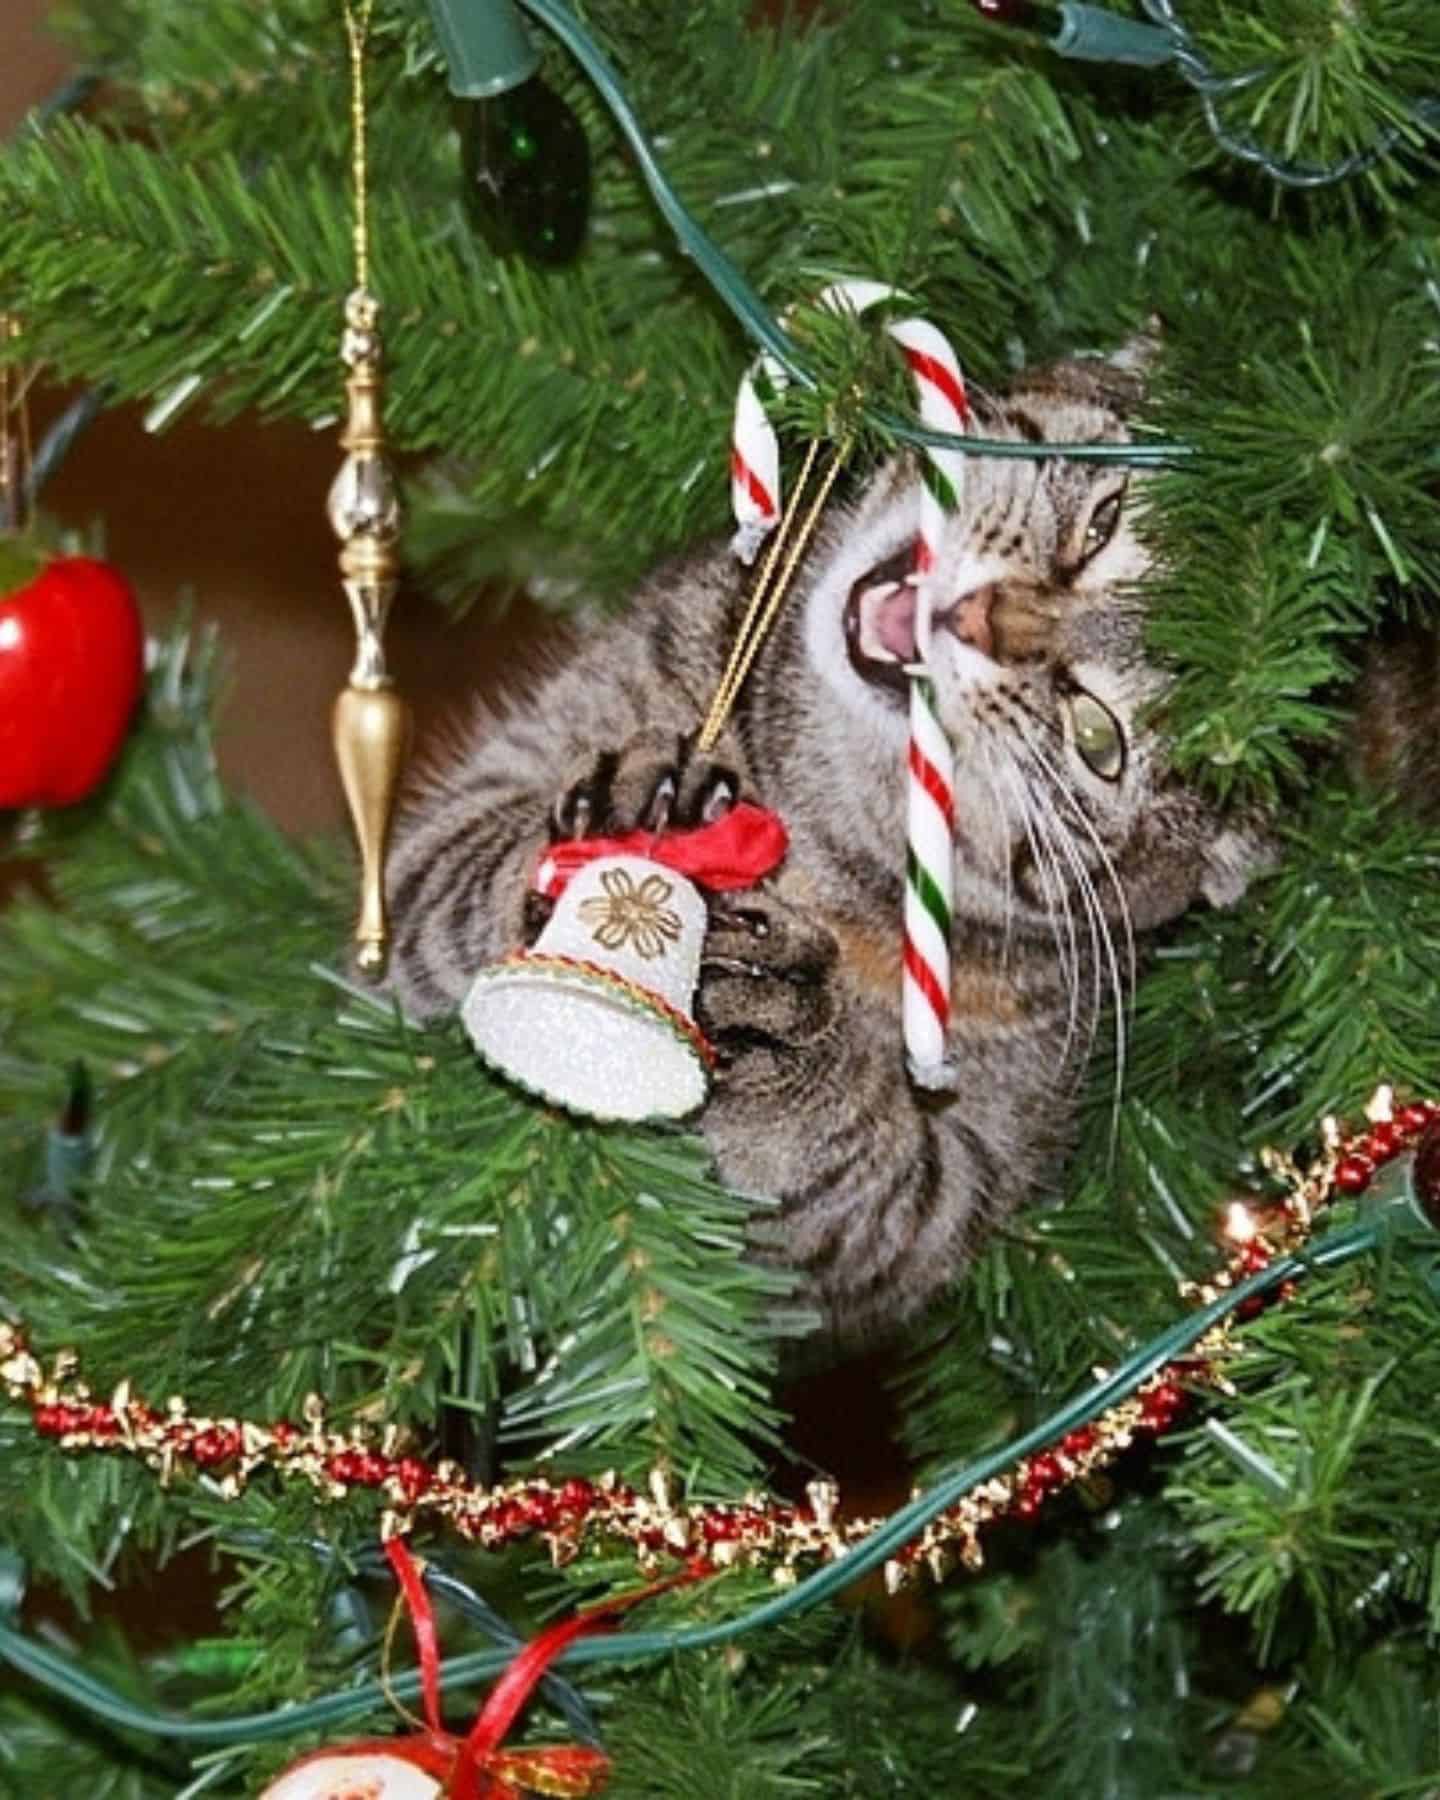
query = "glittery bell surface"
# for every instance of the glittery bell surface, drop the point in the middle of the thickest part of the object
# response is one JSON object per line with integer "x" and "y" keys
{"x": 597, "y": 1017}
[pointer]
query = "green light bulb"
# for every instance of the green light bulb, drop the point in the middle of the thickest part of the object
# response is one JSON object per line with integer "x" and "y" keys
{"x": 527, "y": 174}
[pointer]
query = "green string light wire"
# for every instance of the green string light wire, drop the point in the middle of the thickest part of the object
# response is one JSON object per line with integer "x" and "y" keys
{"x": 752, "y": 313}
{"x": 1392, "y": 1217}
{"x": 1088, "y": 33}
{"x": 1422, "y": 122}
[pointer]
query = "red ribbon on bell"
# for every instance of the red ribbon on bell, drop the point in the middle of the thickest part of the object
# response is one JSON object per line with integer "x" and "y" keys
{"x": 732, "y": 852}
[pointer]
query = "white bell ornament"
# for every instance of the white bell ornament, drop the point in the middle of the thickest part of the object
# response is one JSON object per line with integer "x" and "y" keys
{"x": 596, "y": 1017}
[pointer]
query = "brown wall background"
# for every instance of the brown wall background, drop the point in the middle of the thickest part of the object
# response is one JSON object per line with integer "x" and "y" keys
{"x": 235, "y": 519}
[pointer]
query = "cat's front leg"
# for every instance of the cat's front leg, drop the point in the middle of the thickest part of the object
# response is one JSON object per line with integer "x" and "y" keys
{"x": 767, "y": 998}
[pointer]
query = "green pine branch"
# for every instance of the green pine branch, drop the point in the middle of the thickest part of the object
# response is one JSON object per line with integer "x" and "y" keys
{"x": 1329, "y": 85}
{"x": 1306, "y": 1511}
{"x": 294, "y": 1192}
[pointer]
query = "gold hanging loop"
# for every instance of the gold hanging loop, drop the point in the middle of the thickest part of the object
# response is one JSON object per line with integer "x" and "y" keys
{"x": 357, "y": 34}
{"x": 771, "y": 587}
{"x": 371, "y": 722}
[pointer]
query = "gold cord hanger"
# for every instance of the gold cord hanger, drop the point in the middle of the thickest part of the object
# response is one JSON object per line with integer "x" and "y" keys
{"x": 16, "y": 449}
{"x": 771, "y": 588}
{"x": 371, "y": 722}
{"x": 387, "y": 1654}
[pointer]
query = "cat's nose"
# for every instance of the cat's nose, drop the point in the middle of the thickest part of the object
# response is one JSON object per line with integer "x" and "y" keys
{"x": 970, "y": 619}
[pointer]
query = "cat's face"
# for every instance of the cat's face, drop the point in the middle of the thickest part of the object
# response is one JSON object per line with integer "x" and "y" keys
{"x": 1065, "y": 806}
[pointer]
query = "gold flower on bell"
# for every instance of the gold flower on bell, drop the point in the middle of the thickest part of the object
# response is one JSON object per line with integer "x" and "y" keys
{"x": 633, "y": 913}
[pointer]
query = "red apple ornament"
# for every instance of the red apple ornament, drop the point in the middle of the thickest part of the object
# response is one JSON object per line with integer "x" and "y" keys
{"x": 72, "y": 663}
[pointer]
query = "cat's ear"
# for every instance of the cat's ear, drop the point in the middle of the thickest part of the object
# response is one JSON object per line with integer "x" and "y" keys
{"x": 1240, "y": 852}
{"x": 1139, "y": 354}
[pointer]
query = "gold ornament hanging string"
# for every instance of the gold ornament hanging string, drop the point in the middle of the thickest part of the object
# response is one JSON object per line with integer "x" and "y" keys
{"x": 17, "y": 457}
{"x": 371, "y": 722}
{"x": 771, "y": 587}
{"x": 387, "y": 1656}
{"x": 357, "y": 34}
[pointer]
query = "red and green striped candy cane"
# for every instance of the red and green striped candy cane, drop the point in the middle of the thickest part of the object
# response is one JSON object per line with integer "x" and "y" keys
{"x": 930, "y": 809}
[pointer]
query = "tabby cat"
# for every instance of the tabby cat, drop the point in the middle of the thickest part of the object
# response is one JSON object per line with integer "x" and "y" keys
{"x": 1072, "y": 837}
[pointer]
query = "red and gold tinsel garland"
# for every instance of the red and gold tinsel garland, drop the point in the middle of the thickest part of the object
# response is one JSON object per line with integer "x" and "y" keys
{"x": 575, "y": 1514}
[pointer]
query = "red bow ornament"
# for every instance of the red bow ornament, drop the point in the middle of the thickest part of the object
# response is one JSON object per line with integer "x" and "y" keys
{"x": 734, "y": 851}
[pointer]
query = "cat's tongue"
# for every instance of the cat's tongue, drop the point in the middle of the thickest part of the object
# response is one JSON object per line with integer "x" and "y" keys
{"x": 887, "y": 621}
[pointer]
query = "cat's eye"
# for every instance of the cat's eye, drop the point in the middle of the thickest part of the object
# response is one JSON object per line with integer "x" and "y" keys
{"x": 1098, "y": 738}
{"x": 1102, "y": 524}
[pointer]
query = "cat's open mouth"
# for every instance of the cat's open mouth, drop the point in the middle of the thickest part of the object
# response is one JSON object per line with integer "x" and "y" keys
{"x": 880, "y": 622}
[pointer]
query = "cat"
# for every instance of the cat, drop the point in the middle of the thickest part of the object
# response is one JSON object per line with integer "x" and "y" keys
{"x": 1073, "y": 836}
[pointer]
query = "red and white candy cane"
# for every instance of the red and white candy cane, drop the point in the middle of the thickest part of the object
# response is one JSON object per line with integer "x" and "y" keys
{"x": 930, "y": 825}
{"x": 754, "y": 447}
{"x": 930, "y": 808}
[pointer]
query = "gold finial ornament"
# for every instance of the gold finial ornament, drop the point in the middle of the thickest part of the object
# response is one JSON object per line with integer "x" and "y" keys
{"x": 372, "y": 734}
{"x": 371, "y": 722}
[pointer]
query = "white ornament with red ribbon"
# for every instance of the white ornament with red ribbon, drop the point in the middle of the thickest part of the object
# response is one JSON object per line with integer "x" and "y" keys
{"x": 363, "y": 1772}
{"x": 597, "y": 1016}
{"x": 433, "y": 1761}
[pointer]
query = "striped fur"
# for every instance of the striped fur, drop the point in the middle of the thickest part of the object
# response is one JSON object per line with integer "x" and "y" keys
{"x": 884, "y": 1190}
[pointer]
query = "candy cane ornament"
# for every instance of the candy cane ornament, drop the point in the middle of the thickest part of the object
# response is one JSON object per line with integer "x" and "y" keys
{"x": 754, "y": 463}
{"x": 930, "y": 794}
{"x": 930, "y": 805}
{"x": 754, "y": 446}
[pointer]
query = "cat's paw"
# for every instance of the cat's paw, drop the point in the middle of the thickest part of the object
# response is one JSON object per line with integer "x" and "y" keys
{"x": 767, "y": 977}
{"x": 655, "y": 781}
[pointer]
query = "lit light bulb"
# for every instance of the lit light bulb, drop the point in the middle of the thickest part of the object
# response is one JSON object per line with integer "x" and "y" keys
{"x": 1025, "y": 15}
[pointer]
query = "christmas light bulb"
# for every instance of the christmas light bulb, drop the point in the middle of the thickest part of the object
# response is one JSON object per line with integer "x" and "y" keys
{"x": 524, "y": 153}
{"x": 527, "y": 173}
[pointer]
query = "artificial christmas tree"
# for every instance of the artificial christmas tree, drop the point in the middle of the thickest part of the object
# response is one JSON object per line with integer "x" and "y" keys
{"x": 389, "y": 1292}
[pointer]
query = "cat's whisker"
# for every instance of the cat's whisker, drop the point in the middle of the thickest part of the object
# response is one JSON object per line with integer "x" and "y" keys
{"x": 1052, "y": 883}
{"x": 1102, "y": 953}
{"x": 1073, "y": 966}
{"x": 1044, "y": 870}
{"x": 1052, "y": 780}
{"x": 1122, "y": 901}
{"x": 997, "y": 789}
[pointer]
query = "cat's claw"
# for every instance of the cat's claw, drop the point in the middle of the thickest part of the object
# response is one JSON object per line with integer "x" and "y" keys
{"x": 655, "y": 783}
